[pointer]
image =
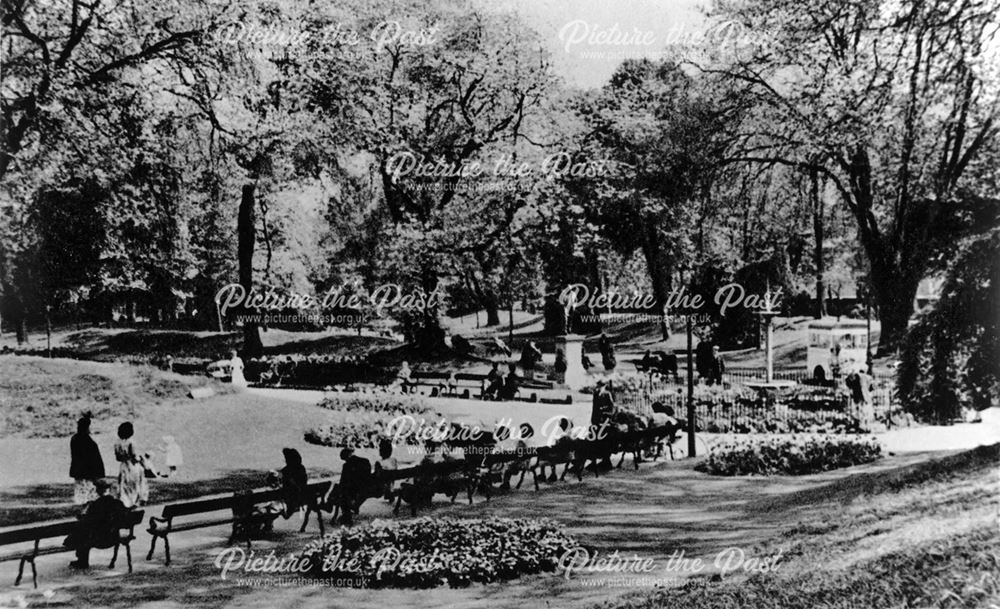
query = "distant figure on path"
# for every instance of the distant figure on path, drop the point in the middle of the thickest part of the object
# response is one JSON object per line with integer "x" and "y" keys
{"x": 560, "y": 365}
{"x": 133, "y": 489}
{"x": 607, "y": 352}
{"x": 98, "y": 526}
{"x": 703, "y": 360}
{"x": 585, "y": 361}
{"x": 236, "y": 371}
{"x": 173, "y": 458}
{"x": 860, "y": 386}
{"x": 530, "y": 356}
{"x": 86, "y": 466}
{"x": 717, "y": 367}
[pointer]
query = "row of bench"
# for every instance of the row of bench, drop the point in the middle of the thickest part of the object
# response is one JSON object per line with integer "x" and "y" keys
{"x": 417, "y": 486}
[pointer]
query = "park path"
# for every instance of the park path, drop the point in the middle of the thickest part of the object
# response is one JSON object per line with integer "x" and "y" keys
{"x": 653, "y": 512}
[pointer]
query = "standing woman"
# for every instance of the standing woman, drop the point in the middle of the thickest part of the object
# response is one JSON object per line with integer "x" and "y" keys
{"x": 85, "y": 466}
{"x": 133, "y": 489}
{"x": 236, "y": 371}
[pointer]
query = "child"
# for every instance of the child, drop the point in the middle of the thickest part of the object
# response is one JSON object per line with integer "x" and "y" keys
{"x": 172, "y": 456}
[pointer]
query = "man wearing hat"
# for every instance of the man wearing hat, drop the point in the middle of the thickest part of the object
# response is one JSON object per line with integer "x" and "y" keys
{"x": 98, "y": 526}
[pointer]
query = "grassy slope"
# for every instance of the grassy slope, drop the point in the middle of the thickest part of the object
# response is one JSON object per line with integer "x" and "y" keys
{"x": 43, "y": 398}
{"x": 926, "y": 536}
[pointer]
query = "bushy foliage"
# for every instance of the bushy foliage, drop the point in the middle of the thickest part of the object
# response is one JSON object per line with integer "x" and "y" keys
{"x": 430, "y": 552}
{"x": 951, "y": 357}
{"x": 795, "y": 455}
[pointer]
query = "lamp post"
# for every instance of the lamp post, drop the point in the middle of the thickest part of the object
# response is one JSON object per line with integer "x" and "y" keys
{"x": 869, "y": 363}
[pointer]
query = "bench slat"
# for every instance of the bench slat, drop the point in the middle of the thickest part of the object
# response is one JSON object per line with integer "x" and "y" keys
{"x": 45, "y": 531}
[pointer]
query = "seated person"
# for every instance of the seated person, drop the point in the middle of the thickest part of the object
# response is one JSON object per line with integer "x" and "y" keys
{"x": 493, "y": 383}
{"x": 668, "y": 365}
{"x": 355, "y": 480}
{"x": 511, "y": 385}
{"x": 98, "y": 525}
{"x": 647, "y": 363}
{"x": 520, "y": 446}
{"x": 461, "y": 344}
{"x": 562, "y": 439}
{"x": 294, "y": 481}
{"x": 449, "y": 386}
{"x": 386, "y": 462}
{"x": 403, "y": 377}
{"x": 662, "y": 415}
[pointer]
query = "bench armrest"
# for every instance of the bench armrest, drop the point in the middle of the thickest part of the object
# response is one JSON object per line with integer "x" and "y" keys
{"x": 153, "y": 528}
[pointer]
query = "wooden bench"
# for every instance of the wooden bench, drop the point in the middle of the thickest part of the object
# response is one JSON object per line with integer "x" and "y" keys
{"x": 61, "y": 530}
{"x": 239, "y": 514}
{"x": 315, "y": 493}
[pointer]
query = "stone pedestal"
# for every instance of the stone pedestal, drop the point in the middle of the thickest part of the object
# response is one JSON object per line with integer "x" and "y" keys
{"x": 572, "y": 346}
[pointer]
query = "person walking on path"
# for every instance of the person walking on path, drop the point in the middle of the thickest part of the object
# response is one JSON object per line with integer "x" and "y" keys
{"x": 86, "y": 466}
{"x": 133, "y": 489}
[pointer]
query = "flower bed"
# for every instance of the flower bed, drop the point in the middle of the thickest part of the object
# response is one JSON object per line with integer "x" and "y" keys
{"x": 825, "y": 422}
{"x": 795, "y": 455}
{"x": 431, "y": 552}
{"x": 354, "y": 429}
{"x": 381, "y": 402}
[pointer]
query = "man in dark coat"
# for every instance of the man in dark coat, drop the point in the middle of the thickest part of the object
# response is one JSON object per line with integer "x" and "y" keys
{"x": 716, "y": 368}
{"x": 98, "y": 526}
{"x": 603, "y": 405}
{"x": 355, "y": 479}
{"x": 511, "y": 384}
{"x": 85, "y": 466}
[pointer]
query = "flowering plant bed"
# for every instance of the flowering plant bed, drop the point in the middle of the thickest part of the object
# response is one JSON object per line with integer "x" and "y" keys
{"x": 355, "y": 429}
{"x": 790, "y": 455}
{"x": 431, "y": 552}
{"x": 383, "y": 402}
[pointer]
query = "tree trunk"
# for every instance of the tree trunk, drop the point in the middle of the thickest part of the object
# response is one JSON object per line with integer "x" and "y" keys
{"x": 894, "y": 274}
{"x": 429, "y": 335}
{"x": 817, "y": 214}
{"x": 21, "y": 325}
{"x": 487, "y": 297}
{"x": 659, "y": 266}
{"x": 492, "y": 312}
{"x": 252, "y": 346}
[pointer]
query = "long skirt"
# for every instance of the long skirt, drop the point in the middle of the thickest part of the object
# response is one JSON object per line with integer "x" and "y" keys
{"x": 132, "y": 486}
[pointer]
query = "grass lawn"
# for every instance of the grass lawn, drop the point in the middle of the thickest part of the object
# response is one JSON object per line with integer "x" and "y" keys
{"x": 42, "y": 398}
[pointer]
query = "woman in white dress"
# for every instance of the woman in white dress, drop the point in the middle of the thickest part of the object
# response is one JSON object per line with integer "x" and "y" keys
{"x": 133, "y": 489}
{"x": 236, "y": 372}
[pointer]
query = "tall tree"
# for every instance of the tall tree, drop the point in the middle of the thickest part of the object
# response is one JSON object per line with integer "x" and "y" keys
{"x": 894, "y": 103}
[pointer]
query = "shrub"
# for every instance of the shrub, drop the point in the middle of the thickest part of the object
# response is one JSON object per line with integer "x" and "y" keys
{"x": 949, "y": 357}
{"x": 430, "y": 552}
{"x": 795, "y": 455}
